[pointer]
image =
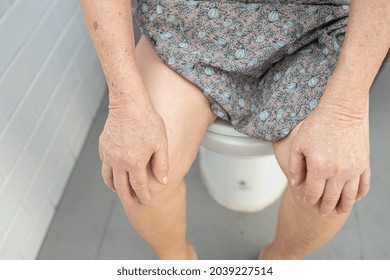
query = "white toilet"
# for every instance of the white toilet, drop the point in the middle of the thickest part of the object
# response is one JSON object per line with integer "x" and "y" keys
{"x": 239, "y": 172}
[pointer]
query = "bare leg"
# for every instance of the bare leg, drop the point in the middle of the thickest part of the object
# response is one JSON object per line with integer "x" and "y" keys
{"x": 300, "y": 230}
{"x": 187, "y": 115}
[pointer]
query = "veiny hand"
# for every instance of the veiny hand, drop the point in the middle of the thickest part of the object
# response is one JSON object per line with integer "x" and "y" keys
{"x": 330, "y": 157}
{"x": 133, "y": 136}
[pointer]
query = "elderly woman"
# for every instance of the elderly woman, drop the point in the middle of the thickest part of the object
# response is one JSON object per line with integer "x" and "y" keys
{"x": 297, "y": 73}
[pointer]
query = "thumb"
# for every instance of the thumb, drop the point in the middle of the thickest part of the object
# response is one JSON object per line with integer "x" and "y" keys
{"x": 297, "y": 168}
{"x": 160, "y": 165}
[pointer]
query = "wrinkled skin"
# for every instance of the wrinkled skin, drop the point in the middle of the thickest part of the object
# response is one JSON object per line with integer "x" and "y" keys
{"x": 330, "y": 155}
{"x": 133, "y": 136}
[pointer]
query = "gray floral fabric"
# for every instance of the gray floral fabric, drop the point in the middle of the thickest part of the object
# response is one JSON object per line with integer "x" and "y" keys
{"x": 263, "y": 65}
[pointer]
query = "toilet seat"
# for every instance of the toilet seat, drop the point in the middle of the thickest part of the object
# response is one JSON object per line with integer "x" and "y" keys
{"x": 223, "y": 127}
{"x": 221, "y": 137}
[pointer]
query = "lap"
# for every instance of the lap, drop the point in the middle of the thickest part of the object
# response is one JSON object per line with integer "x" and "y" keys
{"x": 186, "y": 112}
{"x": 183, "y": 107}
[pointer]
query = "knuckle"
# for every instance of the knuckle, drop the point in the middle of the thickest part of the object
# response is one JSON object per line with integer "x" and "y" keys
{"x": 107, "y": 180}
{"x": 291, "y": 170}
{"x": 144, "y": 202}
{"x": 329, "y": 200}
{"x": 364, "y": 192}
{"x": 138, "y": 187}
{"x": 365, "y": 186}
{"x": 337, "y": 171}
{"x": 136, "y": 164}
{"x": 121, "y": 186}
{"x": 345, "y": 208}
{"x": 296, "y": 150}
{"x": 138, "y": 176}
{"x": 313, "y": 193}
{"x": 349, "y": 196}
{"x": 131, "y": 164}
{"x": 128, "y": 164}
{"x": 310, "y": 199}
{"x": 337, "y": 168}
{"x": 319, "y": 165}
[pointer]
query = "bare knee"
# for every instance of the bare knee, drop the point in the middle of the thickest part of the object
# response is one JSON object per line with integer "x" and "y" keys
{"x": 186, "y": 117}
{"x": 177, "y": 170}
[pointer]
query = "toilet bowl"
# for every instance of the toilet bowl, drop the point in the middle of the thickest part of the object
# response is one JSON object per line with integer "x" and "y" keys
{"x": 239, "y": 172}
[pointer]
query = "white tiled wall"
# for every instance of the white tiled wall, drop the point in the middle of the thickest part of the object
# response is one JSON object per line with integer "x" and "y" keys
{"x": 51, "y": 85}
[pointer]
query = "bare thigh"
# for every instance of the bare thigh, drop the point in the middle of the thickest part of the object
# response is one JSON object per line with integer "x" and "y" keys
{"x": 183, "y": 107}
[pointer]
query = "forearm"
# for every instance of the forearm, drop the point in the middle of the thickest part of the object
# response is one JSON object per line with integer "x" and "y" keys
{"x": 110, "y": 27}
{"x": 365, "y": 46}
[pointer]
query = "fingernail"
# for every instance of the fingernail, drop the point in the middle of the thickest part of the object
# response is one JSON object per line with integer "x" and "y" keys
{"x": 165, "y": 180}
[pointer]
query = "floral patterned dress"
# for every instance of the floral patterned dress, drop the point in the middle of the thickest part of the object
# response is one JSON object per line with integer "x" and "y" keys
{"x": 262, "y": 64}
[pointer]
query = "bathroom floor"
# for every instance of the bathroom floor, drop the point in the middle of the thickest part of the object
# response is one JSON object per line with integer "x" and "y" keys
{"x": 90, "y": 224}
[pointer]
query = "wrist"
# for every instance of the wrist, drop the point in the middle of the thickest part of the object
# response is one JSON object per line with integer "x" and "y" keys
{"x": 127, "y": 89}
{"x": 342, "y": 113}
{"x": 345, "y": 98}
{"x": 121, "y": 73}
{"x": 351, "y": 77}
{"x": 130, "y": 102}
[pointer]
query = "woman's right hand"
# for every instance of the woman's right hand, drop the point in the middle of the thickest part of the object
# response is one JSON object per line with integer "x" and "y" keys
{"x": 134, "y": 135}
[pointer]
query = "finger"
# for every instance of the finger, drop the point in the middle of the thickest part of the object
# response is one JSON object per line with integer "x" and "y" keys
{"x": 330, "y": 197}
{"x": 348, "y": 196}
{"x": 364, "y": 184}
{"x": 297, "y": 168}
{"x": 122, "y": 186}
{"x": 160, "y": 165}
{"x": 139, "y": 183}
{"x": 314, "y": 188}
{"x": 107, "y": 176}
{"x": 101, "y": 148}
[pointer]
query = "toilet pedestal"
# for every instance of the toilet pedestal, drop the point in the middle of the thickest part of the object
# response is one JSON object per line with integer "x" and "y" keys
{"x": 246, "y": 184}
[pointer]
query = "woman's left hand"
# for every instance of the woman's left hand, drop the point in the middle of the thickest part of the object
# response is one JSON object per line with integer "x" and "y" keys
{"x": 330, "y": 158}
